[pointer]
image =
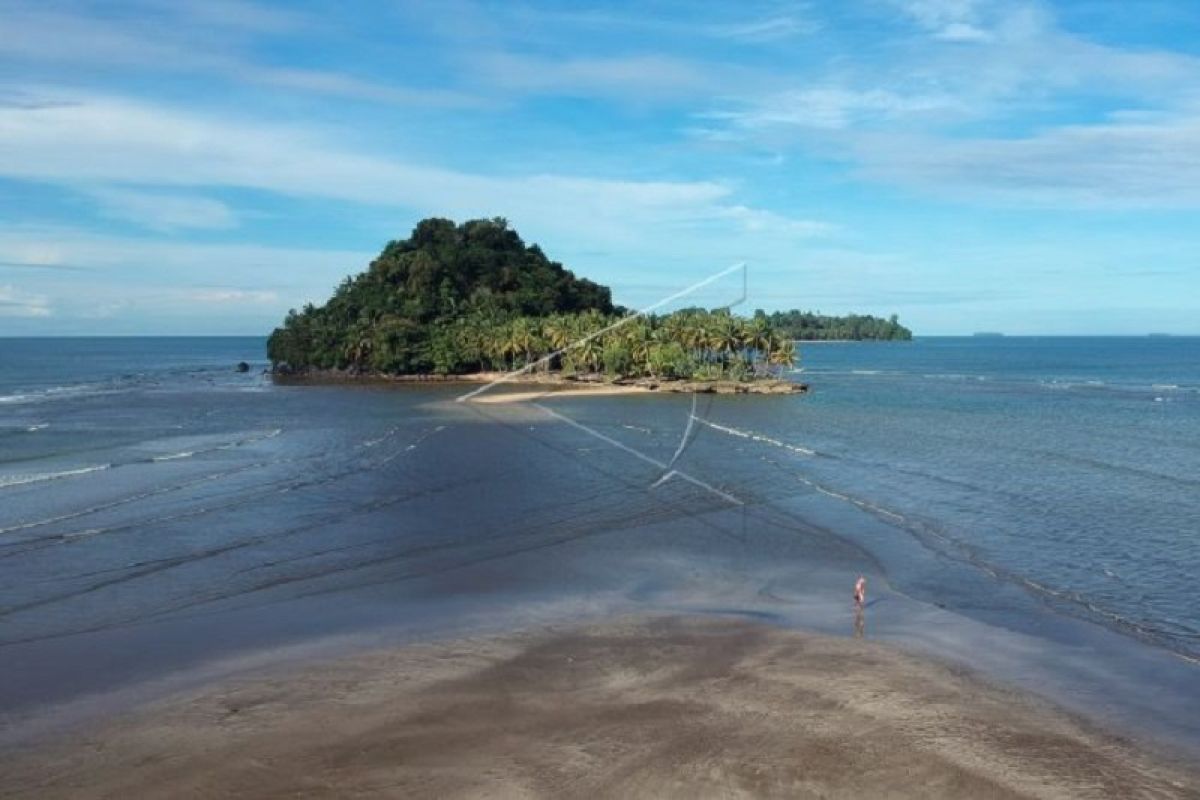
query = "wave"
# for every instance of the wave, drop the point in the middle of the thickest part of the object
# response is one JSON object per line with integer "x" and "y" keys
{"x": 175, "y": 456}
{"x": 19, "y": 479}
{"x": 755, "y": 437}
{"x": 56, "y": 393}
{"x": 7, "y": 481}
{"x": 245, "y": 440}
{"x": 38, "y": 427}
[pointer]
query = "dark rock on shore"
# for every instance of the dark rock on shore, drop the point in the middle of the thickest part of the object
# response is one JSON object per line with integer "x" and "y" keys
{"x": 757, "y": 386}
{"x": 761, "y": 386}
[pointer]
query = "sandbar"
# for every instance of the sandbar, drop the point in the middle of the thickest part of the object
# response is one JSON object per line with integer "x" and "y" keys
{"x": 678, "y": 706}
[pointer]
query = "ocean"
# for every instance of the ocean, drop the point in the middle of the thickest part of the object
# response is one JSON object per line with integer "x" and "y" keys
{"x": 160, "y": 511}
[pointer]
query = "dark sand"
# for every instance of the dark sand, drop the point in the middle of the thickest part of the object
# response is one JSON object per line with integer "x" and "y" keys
{"x": 695, "y": 707}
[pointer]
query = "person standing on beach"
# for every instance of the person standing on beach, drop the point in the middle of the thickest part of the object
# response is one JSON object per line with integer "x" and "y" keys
{"x": 860, "y": 592}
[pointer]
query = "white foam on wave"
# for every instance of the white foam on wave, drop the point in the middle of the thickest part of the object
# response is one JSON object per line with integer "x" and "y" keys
{"x": 755, "y": 437}
{"x": 251, "y": 439}
{"x": 175, "y": 456}
{"x": 22, "y": 480}
{"x": 380, "y": 440}
{"x": 855, "y": 501}
{"x": 35, "y": 428}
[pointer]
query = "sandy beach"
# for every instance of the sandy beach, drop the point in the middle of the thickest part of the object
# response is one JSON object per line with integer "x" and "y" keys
{"x": 642, "y": 707}
{"x": 505, "y": 395}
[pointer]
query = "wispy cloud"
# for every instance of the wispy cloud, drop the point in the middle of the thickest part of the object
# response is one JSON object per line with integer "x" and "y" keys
{"x": 192, "y": 38}
{"x": 900, "y": 120}
{"x": 154, "y": 260}
{"x": 17, "y": 303}
{"x": 223, "y": 296}
{"x": 768, "y": 29}
{"x": 751, "y": 23}
{"x": 949, "y": 20}
{"x": 1113, "y": 164}
{"x": 833, "y": 108}
{"x": 163, "y": 211}
{"x": 620, "y": 77}
{"x": 117, "y": 141}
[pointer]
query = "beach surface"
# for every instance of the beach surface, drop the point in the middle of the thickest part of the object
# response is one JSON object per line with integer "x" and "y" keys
{"x": 677, "y": 706}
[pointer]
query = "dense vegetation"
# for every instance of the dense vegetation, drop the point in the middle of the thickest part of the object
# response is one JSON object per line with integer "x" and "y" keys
{"x": 460, "y": 299}
{"x": 805, "y": 325}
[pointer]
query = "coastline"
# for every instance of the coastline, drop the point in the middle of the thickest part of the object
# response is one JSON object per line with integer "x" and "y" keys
{"x": 554, "y": 382}
{"x": 622, "y": 555}
{"x": 677, "y": 705}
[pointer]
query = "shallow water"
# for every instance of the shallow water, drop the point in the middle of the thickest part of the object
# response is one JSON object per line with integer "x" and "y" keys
{"x": 159, "y": 510}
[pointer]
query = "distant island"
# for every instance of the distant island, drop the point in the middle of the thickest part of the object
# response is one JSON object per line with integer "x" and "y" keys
{"x": 810, "y": 326}
{"x": 461, "y": 300}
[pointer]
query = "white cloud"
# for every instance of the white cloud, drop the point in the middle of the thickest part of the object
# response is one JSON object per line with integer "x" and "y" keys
{"x": 218, "y": 296}
{"x": 761, "y": 221}
{"x": 97, "y": 141}
{"x": 234, "y": 14}
{"x": 149, "y": 261}
{"x": 832, "y": 108}
{"x": 181, "y": 41}
{"x": 765, "y": 30}
{"x": 1113, "y": 164}
{"x": 962, "y": 32}
{"x": 621, "y": 77}
{"x": 183, "y": 286}
{"x": 17, "y": 303}
{"x": 163, "y": 212}
{"x": 894, "y": 116}
{"x": 950, "y": 20}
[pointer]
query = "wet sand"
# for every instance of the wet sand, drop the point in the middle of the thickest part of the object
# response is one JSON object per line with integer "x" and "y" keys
{"x": 660, "y": 707}
{"x": 505, "y": 395}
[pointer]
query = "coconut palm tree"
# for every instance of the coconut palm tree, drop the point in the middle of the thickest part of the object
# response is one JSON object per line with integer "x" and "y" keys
{"x": 725, "y": 337}
{"x": 758, "y": 336}
{"x": 523, "y": 338}
{"x": 638, "y": 338}
{"x": 587, "y": 349}
{"x": 781, "y": 353}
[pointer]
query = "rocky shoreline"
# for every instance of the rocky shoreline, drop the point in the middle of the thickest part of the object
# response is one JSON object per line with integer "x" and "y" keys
{"x": 549, "y": 381}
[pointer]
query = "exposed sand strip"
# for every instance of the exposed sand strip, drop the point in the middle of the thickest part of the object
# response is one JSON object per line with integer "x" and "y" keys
{"x": 574, "y": 390}
{"x": 661, "y": 708}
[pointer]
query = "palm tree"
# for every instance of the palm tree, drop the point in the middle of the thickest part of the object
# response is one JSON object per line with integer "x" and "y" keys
{"x": 523, "y": 339}
{"x": 639, "y": 337}
{"x": 782, "y": 353}
{"x": 587, "y": 348}
{"x": 758, "y": 336}
{"x": 694, "y": 334}
{"x": 724, "y": 337}
{"x": 558, "y": 331}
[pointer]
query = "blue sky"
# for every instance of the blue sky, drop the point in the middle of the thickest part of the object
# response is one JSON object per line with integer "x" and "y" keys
{"x": 201, "y": 166}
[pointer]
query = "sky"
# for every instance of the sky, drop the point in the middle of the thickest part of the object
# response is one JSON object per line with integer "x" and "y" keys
{"x": 202, "y": 166}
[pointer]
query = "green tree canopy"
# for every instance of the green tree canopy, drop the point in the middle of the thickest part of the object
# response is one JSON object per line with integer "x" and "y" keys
{"x": 394, "y": 316}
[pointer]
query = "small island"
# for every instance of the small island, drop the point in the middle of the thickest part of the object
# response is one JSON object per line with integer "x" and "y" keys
{"x": 809, "y": 326}
{"x": 464, "y": 301}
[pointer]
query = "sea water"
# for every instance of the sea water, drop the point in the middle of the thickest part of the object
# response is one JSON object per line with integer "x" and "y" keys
{"x": 157, "y": 506}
